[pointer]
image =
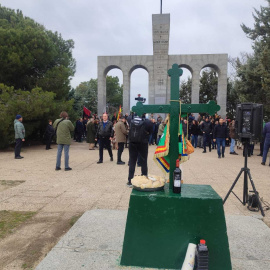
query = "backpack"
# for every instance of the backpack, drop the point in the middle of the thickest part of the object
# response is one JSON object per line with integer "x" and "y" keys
{"x": 137, "y": 130}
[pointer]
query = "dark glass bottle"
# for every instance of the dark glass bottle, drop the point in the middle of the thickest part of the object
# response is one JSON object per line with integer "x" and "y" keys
{"x": 177, "y": 178}
{"x": 201, "y": 258}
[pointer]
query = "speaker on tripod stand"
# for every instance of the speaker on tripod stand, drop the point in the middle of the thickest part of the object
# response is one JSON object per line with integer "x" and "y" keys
{"x": 249, "y": 121}
{"x": 248, "y": 126}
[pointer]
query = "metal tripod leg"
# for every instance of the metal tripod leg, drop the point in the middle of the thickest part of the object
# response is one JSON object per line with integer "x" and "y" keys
{"x": 245, "y": 186}
{"x": 247, "y": 174}
{"x": 256, "y": 193}
{"x": 234, "y": 183}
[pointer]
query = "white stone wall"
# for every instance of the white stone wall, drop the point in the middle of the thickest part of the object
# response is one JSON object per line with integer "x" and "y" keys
{"x": 157, "y": 66}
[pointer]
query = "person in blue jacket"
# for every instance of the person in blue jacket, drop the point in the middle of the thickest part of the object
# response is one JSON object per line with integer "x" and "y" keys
{"x": 266, "y": 135}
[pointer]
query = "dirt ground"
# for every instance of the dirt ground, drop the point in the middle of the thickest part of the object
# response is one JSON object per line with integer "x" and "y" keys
{"x": 58, "y": 197}
{"x": 8, "y": 184}
{"x": 32, "y": 241}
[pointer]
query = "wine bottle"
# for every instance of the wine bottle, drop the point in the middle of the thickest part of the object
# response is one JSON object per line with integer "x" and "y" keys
{"x": 201, "y": 258}
{"x": 177, "y": 178}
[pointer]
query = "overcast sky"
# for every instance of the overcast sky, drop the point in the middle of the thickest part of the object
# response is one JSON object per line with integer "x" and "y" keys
{"x": 124, "y": 27}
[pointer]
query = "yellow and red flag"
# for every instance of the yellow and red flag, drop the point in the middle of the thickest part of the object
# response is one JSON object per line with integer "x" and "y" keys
{"x": 119, "y": 112}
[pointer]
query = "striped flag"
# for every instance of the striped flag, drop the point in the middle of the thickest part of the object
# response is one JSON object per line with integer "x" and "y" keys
{"x": 119, "y": 112}
{"x": 161, "y": 155}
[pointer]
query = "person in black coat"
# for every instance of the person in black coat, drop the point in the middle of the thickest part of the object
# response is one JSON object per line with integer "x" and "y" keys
{"x": 190, "y": 121}
{"x": 266, "y": 135}
{"x": 139, "y": 148}
{"x": 184, "y": 126}
{"x": 48, "y": 135}
{"x": 155, "y": 131}
{"x": 104, "y": 135}
{"x": 220, "y": 135}
{"x": 130, "y": 117}
{"x": 80, "y": 130}
{"x": 75, "y": 130}
{"x": 114, "y": 117}
{"x": 207, "y": 130}
{"x": 85, "y": 120}
{"x": 194, "y": 132}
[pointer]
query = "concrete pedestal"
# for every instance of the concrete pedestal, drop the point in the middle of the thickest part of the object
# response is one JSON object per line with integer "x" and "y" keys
{"x": 161, "y": 224}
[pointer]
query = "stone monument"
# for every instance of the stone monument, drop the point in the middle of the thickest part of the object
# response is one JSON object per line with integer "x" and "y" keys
{"x": 157, "y": 66}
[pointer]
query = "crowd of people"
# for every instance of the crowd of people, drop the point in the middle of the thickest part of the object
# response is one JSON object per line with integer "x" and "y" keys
{"x": 206, "y": 132}
{"x": 215, "y": 132}
{"x": 212, "y": 132}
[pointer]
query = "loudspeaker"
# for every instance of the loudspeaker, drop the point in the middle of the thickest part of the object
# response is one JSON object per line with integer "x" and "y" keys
{"x": 249, "y": 121}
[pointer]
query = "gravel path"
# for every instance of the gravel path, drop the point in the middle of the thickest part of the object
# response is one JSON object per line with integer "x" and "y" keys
{"x": 57, "y": 196}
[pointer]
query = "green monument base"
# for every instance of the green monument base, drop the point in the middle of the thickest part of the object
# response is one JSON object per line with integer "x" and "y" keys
{"x": 160, "y": 225}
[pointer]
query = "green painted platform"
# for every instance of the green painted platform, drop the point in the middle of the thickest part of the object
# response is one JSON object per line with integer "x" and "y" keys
{"x": 161, "y": 224}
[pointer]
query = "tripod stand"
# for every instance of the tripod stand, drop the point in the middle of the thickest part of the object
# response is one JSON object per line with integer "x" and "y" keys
{"x": 247, "y": 175}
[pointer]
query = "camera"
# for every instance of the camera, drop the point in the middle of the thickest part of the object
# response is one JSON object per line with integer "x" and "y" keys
{"x": 140, "y": 99}
{"x": 249, "y": 121}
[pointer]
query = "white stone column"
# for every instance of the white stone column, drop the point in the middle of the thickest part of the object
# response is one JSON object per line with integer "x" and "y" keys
{"x": 195, "y": 88}
{"x": 151, "y": 87}
{"x": 126, "y": 92}
{"x": 161, "y": 33}
{"x": 222, "y": 93}
{"x": 101, "y": 92}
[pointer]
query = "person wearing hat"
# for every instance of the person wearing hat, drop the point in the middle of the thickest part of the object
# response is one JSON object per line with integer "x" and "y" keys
{"x": 19, "y": 135}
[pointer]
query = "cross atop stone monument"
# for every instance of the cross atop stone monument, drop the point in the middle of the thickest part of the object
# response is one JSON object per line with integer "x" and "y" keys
{"x": 157, "y": 66}
{"x": 174, "y": 110}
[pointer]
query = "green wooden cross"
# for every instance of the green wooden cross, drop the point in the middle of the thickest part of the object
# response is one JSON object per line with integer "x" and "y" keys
{"x": 174, "y": 109}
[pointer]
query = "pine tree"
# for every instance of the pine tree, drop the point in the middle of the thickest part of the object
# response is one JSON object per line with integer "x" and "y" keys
{"x": 32, "y": 56}
{"x": 253, "y": 72}
{"x": 208, "y": 86}
{"x": 35, "y": 69}
{"x": 185, "y": 91}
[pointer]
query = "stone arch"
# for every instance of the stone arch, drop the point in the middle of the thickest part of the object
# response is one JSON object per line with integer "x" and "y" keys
{"x": 113, "y": 71}
{"x": 136, "y": 67}
{"x": 188, "y": 67}
{"x": 213, "y": 66}
{"x": 132, "y": 69}
{"x": 109, "y": 68}
{"x": 102, "y": 74}
{"x": 221, "y": 69}
{"x": 210, "y": 68}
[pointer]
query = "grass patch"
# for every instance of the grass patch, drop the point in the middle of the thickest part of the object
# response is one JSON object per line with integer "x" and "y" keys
{"x": 10, "y": 220}
{"x": 11, "y": 183}
{"x": 5, "y": 184}
{"x": 74, "y": 219}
